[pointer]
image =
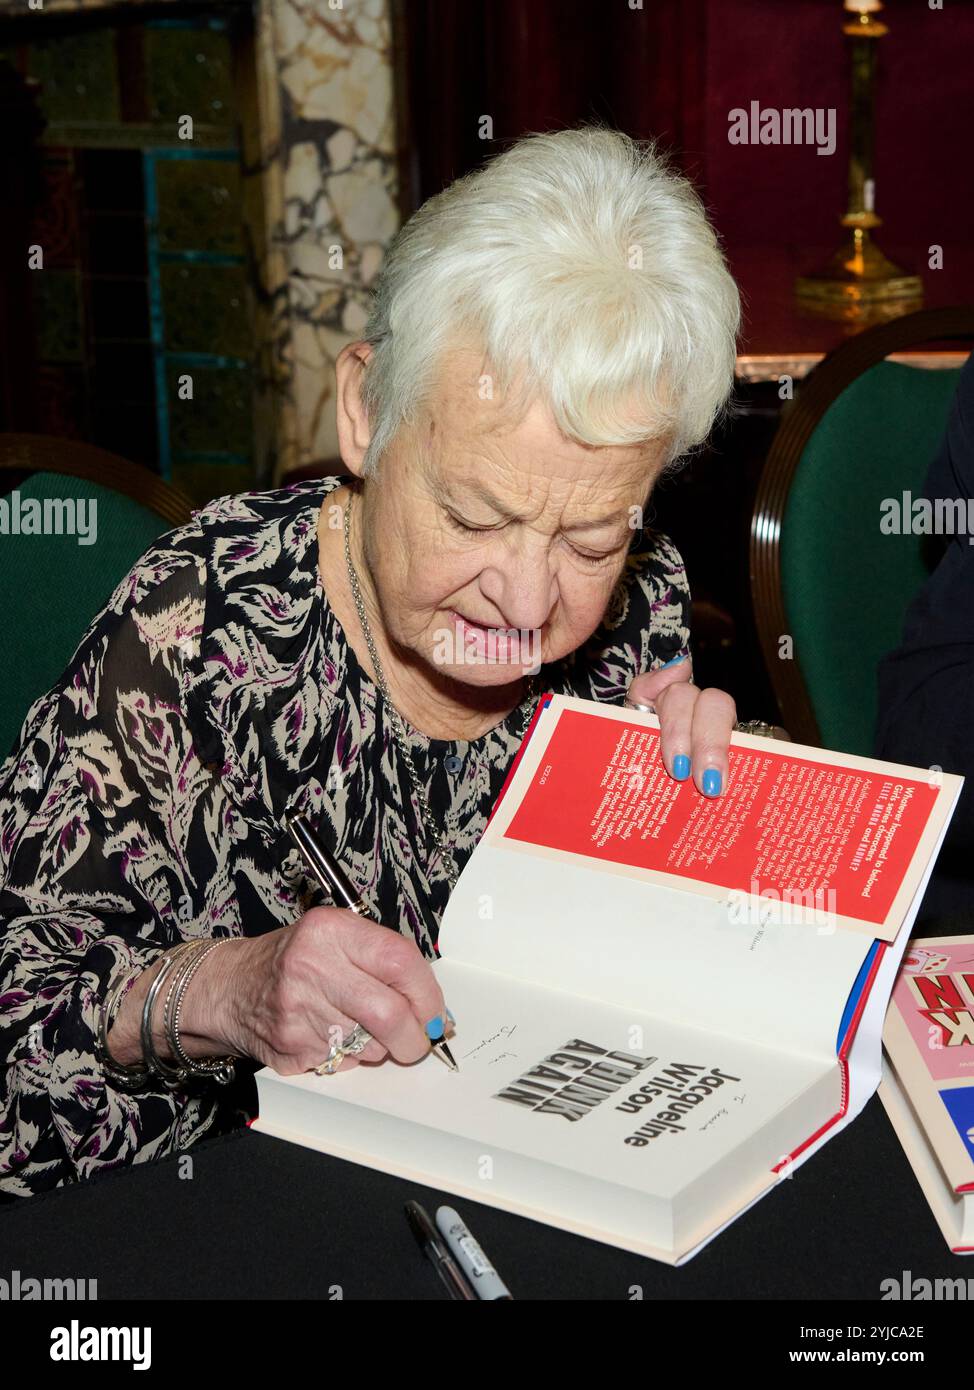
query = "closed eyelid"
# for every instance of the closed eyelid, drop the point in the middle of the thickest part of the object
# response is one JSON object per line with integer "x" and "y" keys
{"x": 449, "y": 504}
{"x": 474, "y": 525}
{"x": 475, "y": 528}
{"x": 463, "y": 523}
{"x": 602, "y": 557}
{"x": 610, "y": 542}
{"x": 609, "y": 545}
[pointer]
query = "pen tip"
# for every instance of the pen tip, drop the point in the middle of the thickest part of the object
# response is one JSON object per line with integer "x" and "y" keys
{"x": 447, "y": 1056}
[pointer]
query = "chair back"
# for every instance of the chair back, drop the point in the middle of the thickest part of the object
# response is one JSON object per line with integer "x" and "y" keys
{"x": 836, "y": 555}
{"x": 54, "y": 581}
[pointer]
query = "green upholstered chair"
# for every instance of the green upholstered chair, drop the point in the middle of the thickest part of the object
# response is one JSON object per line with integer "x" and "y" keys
{"x": 860, "y": 430}
{"x": 50, "y": 585}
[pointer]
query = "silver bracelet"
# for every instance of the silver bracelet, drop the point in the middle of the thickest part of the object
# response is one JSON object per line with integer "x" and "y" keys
{"x": 219, "y": 1069}
{"x": 169, "y": 1076}
{"x": 126, "y": 1076}
{"x": 187, "y": 956}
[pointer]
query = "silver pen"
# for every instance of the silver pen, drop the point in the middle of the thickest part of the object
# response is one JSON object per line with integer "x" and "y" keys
{"x": 474, "y": 1264}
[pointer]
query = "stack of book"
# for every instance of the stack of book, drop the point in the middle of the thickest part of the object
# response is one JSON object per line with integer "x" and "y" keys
{"x": 928, "y": 1077}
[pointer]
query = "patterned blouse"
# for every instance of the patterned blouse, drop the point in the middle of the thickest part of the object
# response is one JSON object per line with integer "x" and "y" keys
{"x": 143, "y": 803}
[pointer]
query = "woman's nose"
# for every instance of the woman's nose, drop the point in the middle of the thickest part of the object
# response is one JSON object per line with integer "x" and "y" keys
{"x": 522, "y": 587}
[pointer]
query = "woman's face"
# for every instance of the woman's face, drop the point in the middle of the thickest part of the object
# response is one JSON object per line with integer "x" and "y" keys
{"x": 494, "y": 543}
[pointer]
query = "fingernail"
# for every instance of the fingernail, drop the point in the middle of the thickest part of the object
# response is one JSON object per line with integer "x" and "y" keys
{"x": 711, "y": 782}
{"x": 435, "y": 1029}
{"x": 450, "y": 1016}
{"x": 681, "y": 767}
{"x": 674, "y": 662}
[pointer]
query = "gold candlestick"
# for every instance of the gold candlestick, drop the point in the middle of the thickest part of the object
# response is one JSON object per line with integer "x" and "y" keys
{"x": 860, "y": 284}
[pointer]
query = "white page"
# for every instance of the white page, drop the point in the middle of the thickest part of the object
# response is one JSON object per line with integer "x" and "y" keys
{"x": 506, "y": 1029}
{"x": 651, "y": 950}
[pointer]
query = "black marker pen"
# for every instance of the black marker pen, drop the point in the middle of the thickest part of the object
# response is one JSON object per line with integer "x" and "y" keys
{"x": 429, "y": 1241}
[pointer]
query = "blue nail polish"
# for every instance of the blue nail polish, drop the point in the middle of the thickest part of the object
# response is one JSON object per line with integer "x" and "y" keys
{"x": 681, "y": 767}
{"x": 711, "y": 782}
{"x": 674, "y": 662}
{"x": 434, "y": 1029}
{"x": 450, "y": 1016}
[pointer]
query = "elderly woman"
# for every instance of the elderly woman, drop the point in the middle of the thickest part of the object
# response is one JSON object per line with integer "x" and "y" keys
{"x": 548, "y": 335}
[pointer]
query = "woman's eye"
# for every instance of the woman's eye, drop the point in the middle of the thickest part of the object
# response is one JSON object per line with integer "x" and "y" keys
{"x": 463, "y": 525}
{"x": 593, "y": 559}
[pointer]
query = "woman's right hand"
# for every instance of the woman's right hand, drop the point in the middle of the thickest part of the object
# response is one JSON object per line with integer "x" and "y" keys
{"x": 286, "y": 997}
{"x": 290, "y": 994}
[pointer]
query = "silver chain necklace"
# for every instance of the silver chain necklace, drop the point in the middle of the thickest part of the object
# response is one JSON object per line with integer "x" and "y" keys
{"x": 398, "y": 726}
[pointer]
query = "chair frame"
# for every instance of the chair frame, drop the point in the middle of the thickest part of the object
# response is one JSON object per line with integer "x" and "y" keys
{"x": 41, "y": 453}
{"x": 815, "y": 395}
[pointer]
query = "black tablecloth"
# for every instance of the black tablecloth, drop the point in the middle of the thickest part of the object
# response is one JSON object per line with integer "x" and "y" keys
{"x": 260, "y": 1218}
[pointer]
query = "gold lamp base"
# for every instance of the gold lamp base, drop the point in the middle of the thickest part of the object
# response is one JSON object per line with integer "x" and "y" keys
{"x": 860, "y": 284}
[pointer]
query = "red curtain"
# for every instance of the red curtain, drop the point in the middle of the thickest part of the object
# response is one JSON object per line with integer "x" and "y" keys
{"x": 533, "y": 65}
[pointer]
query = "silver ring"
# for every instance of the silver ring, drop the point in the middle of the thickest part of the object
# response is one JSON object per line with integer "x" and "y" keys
{"x": 354, "y": 1042}
{"x": 637, "y": 704}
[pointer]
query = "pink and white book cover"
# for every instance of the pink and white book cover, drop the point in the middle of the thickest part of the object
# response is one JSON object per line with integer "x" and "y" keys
{"x": 929, "y": 1036}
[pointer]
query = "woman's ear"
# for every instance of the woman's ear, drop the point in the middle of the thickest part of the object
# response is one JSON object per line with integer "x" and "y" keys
{"x": 353, "y": 422}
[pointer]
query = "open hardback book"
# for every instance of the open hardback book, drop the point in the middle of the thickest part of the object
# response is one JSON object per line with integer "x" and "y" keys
{"x": 664, "y": 1002}
{"x": 928, "y": 1077}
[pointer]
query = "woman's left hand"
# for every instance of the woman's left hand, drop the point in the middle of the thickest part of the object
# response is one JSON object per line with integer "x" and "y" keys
{"x": 695, "y": 725}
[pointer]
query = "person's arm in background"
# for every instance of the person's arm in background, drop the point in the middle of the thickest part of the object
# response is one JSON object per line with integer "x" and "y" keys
{"x": 926, "y": 686}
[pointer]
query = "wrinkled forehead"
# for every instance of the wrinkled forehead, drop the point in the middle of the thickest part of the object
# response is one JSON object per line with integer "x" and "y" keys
{"x": 475, "y": 411}
{"x": 470, "y": 396}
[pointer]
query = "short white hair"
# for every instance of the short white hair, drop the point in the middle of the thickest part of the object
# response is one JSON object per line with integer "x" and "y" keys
{"x": 585, "y": 268}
